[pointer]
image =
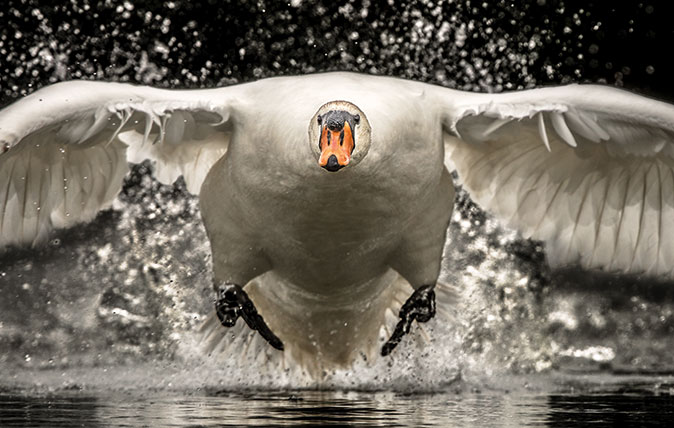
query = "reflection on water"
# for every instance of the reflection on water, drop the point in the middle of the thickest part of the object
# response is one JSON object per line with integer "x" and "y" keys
{"x": 628, "y": 406}
{"x": 609, "y": 409}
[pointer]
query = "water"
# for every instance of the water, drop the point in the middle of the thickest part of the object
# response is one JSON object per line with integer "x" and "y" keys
{"x": 99, "y": 327}
{"x": 632, "y": 402}
{"x": 279, "y": 409}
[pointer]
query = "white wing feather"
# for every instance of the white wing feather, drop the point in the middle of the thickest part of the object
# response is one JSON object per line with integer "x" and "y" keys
{"x": 588, "y": 169}
{"x": 64, "y": 149}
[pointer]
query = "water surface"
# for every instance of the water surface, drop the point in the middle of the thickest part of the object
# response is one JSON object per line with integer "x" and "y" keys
{"x": 575, "y": 401}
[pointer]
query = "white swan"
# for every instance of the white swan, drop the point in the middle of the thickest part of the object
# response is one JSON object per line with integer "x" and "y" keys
{"x": 335, "y": 187}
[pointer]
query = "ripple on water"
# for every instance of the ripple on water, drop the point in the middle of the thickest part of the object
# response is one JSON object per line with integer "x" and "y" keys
{"x": 642, "y": 402}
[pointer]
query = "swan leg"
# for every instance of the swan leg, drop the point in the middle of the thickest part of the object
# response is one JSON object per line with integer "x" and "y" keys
{"x": 233, "y": 303}
{"x": 234, "y": 265}
{"x": 420, "y": 306}
{"x": 237, "y": 256}
{"x": 236, "y": 261}
{"x": 418, "y": 259}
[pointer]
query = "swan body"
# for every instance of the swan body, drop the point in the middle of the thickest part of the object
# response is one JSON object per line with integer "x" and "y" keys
{"x": 328, "y": 249}
{"x": 327, "y": 234}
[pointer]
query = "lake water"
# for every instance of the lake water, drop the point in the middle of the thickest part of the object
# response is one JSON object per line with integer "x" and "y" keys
{"x": 597, "y": 400}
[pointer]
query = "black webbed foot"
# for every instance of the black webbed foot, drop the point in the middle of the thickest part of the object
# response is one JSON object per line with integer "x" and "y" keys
{"x": 420, "y": 306}
{"x": 233, "y": 303}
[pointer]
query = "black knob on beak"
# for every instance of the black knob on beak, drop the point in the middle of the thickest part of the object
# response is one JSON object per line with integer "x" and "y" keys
{"x": 335, "y": 123}
{"x": 333, "y": 164}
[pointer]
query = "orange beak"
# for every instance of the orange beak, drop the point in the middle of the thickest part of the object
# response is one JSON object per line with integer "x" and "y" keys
{"x": 336, "y": 147}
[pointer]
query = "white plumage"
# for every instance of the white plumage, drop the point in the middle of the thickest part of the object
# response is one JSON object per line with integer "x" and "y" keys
{"x": 587, "y": 169}
{"x": 65, "y": 159}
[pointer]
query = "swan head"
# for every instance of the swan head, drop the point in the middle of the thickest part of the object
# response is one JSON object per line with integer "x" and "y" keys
{"x": 339, "y": 135}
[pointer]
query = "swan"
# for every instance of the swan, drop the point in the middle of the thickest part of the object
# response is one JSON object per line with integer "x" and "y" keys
{"x": 326, "y": 197}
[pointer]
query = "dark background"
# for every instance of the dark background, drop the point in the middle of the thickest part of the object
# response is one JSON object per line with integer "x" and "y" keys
{"x": 509, "y": 44}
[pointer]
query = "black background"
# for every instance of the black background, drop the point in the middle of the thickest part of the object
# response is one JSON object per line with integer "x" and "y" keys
{"x": 206, "y": 43}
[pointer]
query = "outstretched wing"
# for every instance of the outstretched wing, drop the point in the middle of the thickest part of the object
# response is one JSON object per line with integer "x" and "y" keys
{"x": 64, "y": 149}
{"x": 587, "y": 169}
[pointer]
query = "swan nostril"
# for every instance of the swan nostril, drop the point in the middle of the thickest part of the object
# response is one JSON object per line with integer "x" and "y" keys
{"x": 333, "y": 164}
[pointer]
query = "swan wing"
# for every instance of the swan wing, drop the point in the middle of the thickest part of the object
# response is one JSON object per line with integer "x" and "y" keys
{"x": 588, "y": 169}
{"x": 64, "y": 149}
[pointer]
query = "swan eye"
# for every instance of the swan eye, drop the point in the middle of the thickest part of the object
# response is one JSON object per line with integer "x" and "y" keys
{"x": 356, "y": 119}
{"x": 319, "y": 119}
